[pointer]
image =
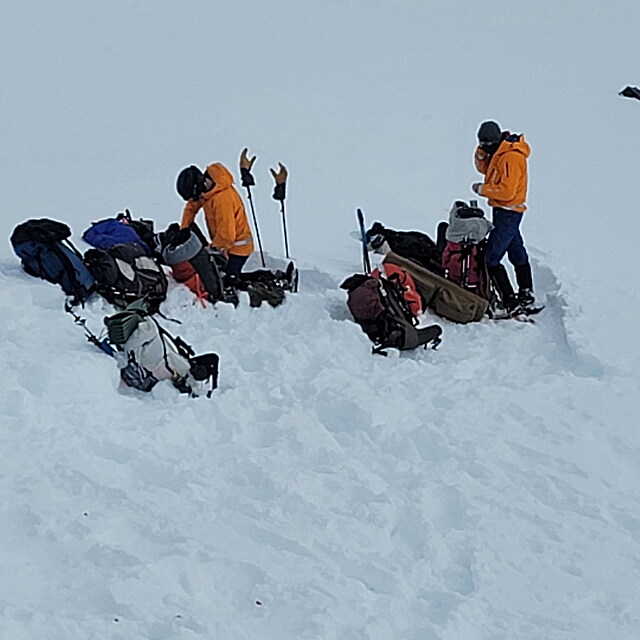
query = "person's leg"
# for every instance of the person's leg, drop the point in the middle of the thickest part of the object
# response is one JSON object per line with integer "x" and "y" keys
{"x": 519, "y": 258}
{"x": 234, "y": 265}
{"x": 499, "y": 238}
{"x": 515, "y": 250}
{"x": 497, "y": 244}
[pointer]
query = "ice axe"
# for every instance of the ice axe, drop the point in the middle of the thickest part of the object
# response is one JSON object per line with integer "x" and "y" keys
{"x": 248, "y": 181}
{"x": 279, "y": 193}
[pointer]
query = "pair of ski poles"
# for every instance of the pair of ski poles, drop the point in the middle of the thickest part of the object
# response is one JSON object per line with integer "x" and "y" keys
{"x": 279, "y": 193}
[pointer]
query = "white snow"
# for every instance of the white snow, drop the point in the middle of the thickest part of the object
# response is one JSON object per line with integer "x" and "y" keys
{"x": 484, "y": 491}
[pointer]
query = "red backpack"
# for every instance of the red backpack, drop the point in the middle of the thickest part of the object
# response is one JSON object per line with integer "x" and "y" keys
{"x": 463, "y": 264}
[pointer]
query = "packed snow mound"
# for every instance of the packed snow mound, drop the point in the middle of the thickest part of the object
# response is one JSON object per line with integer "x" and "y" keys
{"x": 322, "y": 492}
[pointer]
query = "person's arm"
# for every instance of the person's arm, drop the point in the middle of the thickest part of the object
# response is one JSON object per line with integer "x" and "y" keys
{"x": 189, "y": 212}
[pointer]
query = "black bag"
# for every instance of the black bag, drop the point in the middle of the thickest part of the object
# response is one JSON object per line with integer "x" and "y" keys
{"x": 413, "y": 245}
{"x": 378, "y": 306}
{"x": 187, "y": 253}
{"x": 46, "y": 252}
{"x": 124, "y": 274}
{"x": 264, "y": 285}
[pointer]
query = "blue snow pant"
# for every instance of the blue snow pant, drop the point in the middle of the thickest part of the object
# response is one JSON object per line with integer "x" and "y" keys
{"x": 505, "y": 238}
{"x": 235, "y": 264}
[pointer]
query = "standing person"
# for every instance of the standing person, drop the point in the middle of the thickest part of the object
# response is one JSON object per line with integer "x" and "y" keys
{"x": 213, "y": 191}
{"x": 502, "y": 158}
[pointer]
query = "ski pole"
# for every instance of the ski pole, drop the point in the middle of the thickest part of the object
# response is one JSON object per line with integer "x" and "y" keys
{"x": 279, "y": 193}
{"x": 284, "y": 229}
{"x": 248, "y": 181}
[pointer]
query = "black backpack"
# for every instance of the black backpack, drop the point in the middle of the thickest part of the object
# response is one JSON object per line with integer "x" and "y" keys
{"x": 412, "y": 245}
{"x": 125, "y": 273}
{"x": 378, "y": 306}
{"x": 186, "y": 252}
{"x": 46, "y": 252}
{"x": 268, "y": 286}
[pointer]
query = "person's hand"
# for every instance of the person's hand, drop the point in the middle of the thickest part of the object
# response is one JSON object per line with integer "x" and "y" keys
{"x": 281, "y": 181}
{"x": 476, "y": 187}
{"x": 245, "y": 168}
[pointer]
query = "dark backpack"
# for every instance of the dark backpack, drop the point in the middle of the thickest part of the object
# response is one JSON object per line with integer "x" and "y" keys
{"x": 191, "y": 260}
{"x": 125, "y": 273}
{"x": 378, "y": 306}
{"x": 264, "y": 285}
{"x": 464, "y": 264}
{"x": 413, "y": 245}
{"x": 463, "y": 255}
{"x": 46, "y": 252}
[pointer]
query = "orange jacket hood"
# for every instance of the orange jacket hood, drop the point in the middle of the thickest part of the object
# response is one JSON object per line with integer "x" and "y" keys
{"x": 519, "y": 145}
{"x": 221, "y": 176}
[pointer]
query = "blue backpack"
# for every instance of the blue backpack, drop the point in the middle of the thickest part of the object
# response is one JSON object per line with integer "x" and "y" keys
{"x": 105, "y": 233}
{"x": 45, "y": 251}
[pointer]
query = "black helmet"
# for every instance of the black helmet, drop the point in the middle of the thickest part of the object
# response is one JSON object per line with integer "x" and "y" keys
{"x": 489, "y": 132}
{"x": 190, "y": 183}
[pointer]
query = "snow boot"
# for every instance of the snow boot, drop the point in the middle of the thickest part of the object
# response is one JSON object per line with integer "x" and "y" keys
{"x": 500, "y": 279}
{"x": 526, "y": 299}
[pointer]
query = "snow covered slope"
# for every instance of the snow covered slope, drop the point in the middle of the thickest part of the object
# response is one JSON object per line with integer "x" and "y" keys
{"x": 484, "y": 490}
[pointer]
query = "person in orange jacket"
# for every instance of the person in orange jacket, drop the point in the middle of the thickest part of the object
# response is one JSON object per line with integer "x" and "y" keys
{"x": 213, "y": 191}
{"x": 502, "y": 158}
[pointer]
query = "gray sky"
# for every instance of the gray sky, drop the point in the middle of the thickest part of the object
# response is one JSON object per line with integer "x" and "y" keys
{"x": 370, "y": 104}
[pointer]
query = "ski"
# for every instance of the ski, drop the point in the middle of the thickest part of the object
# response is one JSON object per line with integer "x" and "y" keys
{"x": 363, "y": 238}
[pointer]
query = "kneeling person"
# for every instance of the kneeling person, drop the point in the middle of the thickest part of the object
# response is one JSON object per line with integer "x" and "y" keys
{"x": 225, "y": 215}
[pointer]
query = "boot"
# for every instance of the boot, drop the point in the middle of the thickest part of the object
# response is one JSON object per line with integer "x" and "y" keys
{"x": 500, "y": 279}
{"x": 525, "y": 285}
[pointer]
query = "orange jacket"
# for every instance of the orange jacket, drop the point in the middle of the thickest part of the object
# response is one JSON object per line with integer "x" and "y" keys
{"x": 505, "y": 183}
{"x": 224, "y": 213}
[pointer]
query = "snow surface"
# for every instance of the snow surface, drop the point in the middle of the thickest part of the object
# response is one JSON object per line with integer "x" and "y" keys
{"x": 484, "y": 491}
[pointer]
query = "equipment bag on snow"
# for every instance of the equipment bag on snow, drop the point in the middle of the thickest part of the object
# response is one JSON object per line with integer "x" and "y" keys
{"x": 46, "y": 252}
{"x": 463, "y": 256}
{"x": 150, "y": 354}
{"x": 125, "y": 273}
{"x": 413, "y": 245}
{"x": 268, "y": 286}
{"x": 405, "y": 284}
{"x": 142, "y": 226}
{"x": 192, "y": 262}
{"x": 378, "y": 306}
{"x": 105, "y": 233}
{"x": 444, "y": 297}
